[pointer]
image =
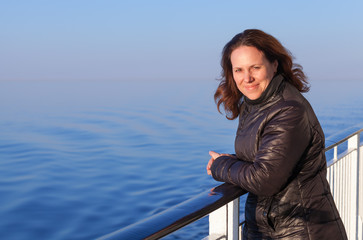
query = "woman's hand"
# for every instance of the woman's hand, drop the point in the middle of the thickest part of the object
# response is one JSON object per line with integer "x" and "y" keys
{"x": 214, "y": 156}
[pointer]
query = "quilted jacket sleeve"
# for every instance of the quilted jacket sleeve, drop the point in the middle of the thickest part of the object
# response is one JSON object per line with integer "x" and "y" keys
{"x": 283, "y": 140}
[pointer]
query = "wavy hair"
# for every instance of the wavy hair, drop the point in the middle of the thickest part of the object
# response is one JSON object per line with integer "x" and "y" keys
{"x": 227, "y": 93}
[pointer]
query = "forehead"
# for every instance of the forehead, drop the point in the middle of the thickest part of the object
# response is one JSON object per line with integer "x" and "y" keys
{"x": 245, "y": 55}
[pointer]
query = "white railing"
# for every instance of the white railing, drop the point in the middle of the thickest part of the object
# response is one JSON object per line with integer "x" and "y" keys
{"x": 345, "y": 176}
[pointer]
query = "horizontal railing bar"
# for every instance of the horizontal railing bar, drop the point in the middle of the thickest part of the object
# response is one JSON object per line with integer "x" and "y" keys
{"x": 343, "y": 140}
{"x": 176, "y": 217}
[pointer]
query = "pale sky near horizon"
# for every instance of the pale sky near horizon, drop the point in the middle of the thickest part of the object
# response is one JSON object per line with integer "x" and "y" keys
{"x": 170, "y": 40}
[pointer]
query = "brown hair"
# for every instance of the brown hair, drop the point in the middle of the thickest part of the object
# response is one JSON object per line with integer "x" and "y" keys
{"x": 227, "y": 93}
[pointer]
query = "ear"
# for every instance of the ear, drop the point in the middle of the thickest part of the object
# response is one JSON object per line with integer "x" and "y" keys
{"x": 275, "y": 64}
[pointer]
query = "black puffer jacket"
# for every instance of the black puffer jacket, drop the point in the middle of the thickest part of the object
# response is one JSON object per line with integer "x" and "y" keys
{"x": 280, "y": 161}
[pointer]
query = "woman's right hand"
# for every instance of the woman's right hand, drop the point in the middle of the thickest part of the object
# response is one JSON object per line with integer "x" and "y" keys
{"x": 213, "y": 155}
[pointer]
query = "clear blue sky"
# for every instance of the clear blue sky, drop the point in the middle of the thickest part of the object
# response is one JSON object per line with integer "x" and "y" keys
{"x": 169, "y": 39}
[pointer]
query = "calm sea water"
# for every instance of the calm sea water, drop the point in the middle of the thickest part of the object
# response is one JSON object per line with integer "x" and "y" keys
{"x": 81, "y": 159}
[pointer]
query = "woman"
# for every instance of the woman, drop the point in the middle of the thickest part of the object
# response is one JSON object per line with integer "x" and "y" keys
{"x": 279, "y": 143}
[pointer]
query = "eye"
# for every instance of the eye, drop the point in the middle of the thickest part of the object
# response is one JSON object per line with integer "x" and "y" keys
{"x": 256, "y": 67}
{"x": 236, "y": 70}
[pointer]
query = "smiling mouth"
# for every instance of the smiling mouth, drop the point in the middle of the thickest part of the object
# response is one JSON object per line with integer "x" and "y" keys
{"x": 250, "y": 88}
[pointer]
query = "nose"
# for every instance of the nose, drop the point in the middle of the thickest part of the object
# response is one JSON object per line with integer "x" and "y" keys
{"x": 247, "y": 78}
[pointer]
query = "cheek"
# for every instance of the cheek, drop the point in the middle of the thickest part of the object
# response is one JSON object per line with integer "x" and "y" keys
{"x": 236, "y": 78}
{"x": 259, "y": 75}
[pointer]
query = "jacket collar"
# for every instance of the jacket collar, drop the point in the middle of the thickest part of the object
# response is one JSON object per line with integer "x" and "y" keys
{"x": 273, "y": 88}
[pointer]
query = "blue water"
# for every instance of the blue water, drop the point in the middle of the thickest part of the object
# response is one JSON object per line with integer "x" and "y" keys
{"x": 80, "y": 159}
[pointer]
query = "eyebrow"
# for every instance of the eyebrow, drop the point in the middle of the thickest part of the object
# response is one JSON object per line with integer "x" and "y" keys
{"x": 253, "y": 65}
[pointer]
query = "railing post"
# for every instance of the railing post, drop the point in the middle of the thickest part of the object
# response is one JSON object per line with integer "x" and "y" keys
{"x": 233, "y": 220}
{"x": 359, "y": 228}
{"x": 353, "y": 145}
{"x": 335, "y": 153}
{"x": 224, "y": 222}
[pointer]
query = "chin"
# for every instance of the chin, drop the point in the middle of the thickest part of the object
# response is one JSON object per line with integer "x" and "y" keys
{"x": 253, "y": 97}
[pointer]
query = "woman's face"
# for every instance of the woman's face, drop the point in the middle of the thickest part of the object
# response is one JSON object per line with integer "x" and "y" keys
{"x": 252, "y": 72}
